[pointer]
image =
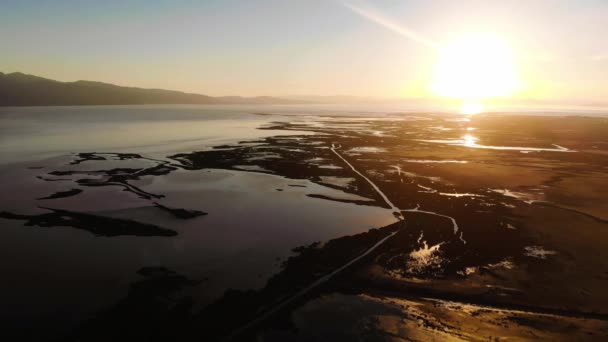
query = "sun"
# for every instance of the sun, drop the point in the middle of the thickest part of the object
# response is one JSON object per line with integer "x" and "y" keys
{"x": 475, "y": 67}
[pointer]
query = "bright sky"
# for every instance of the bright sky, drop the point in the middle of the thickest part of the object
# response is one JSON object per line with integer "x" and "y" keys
{"x": 323, "y": 47}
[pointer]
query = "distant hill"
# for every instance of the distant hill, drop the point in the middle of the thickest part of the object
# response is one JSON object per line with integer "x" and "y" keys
{"x": 336, "y": 99}
{"x": 18, "y": 89}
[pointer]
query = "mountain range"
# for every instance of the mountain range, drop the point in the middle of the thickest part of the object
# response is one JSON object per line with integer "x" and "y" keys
{"x": 19, "y": 89}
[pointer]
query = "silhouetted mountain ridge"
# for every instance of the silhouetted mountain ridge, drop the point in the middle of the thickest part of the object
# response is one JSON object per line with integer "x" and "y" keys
{"x": 19, "y": 89}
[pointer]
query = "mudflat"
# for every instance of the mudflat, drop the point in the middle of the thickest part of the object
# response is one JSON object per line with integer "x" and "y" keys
{"x": 397, "y": 227}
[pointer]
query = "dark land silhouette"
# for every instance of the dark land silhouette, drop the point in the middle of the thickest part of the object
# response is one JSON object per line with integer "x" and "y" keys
{"x": 19, "y": 89}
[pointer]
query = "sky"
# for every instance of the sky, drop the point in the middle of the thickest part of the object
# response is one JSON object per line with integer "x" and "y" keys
{"x": 376, "y": 48}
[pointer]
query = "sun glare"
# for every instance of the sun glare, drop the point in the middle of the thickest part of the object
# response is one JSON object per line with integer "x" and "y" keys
{"x": 471, "y": 108}
{"x": 473, "y": 68}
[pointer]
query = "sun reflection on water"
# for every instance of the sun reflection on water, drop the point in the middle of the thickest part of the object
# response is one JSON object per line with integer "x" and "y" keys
{"x": 469, "y": 140}
{"x": 471, "y": 108}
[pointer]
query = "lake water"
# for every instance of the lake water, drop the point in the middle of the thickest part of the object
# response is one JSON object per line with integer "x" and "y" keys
{"x": 61, "y": 275}
{"x": 31, "y": 133}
